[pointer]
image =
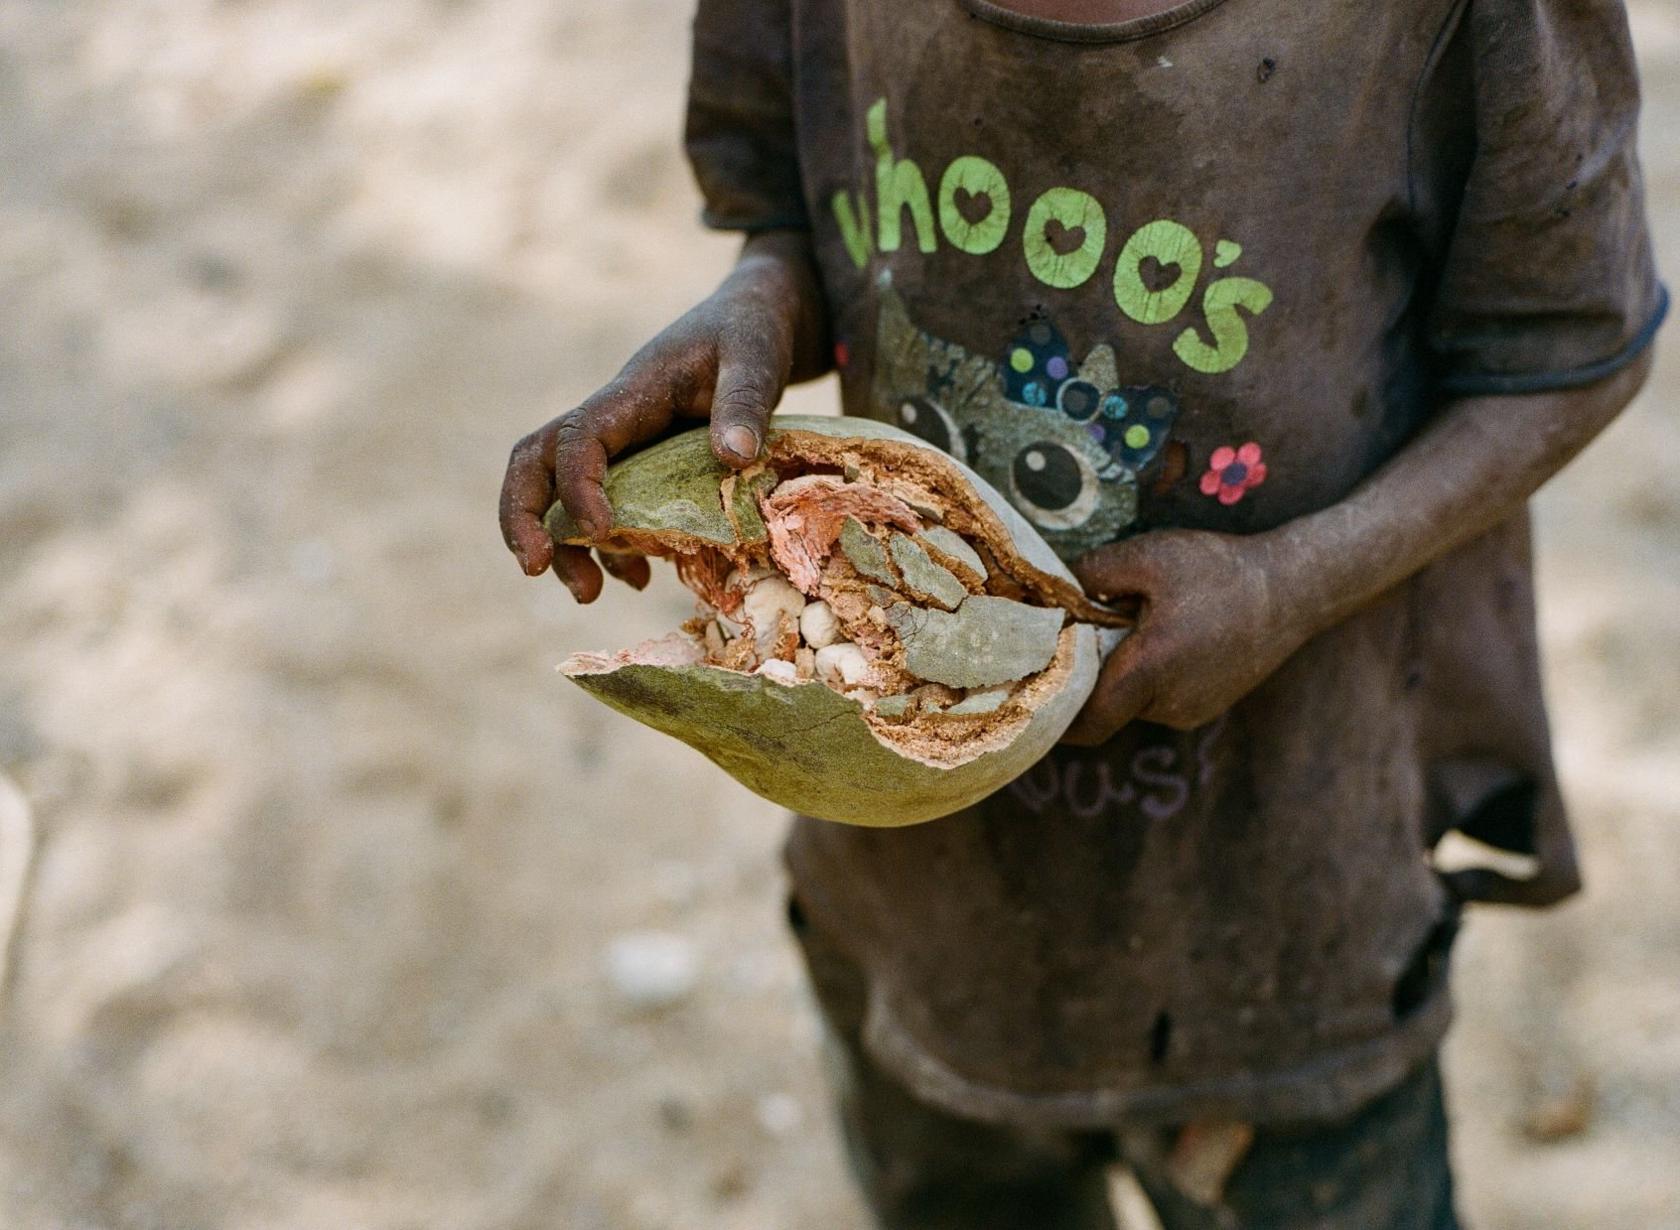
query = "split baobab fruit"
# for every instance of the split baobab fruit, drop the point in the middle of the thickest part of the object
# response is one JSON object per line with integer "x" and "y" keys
{"x": 880, "y": 638}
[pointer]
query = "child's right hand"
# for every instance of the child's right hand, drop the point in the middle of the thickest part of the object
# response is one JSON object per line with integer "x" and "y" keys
{"x": 728, "y": 359}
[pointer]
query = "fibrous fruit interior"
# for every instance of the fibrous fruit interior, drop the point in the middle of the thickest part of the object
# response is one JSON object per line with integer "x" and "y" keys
{"x": 879, "y": 575}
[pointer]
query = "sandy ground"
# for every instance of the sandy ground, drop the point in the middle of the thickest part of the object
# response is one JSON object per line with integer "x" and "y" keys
{"x": 329, "y": 866}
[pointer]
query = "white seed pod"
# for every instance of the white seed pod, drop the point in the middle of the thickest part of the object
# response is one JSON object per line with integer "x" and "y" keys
{"x": 743, "y": 579}
{"x": 714, "y": 638}
{"x": 842, "y": 661}
{"x": 764, "y": 604}
{"x": 818, "y": 625}
{"x": 779, "y": 669}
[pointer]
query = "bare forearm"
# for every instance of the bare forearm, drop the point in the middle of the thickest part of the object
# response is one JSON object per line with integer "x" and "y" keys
{"x": 1474, "y": 466}
{"x": 780, "y": 265}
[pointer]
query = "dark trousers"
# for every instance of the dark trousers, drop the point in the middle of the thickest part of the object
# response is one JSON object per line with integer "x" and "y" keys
{"x": 921, "y": 1168}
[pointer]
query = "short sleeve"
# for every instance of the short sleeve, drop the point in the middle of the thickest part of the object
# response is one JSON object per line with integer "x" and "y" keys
{"x": 740, "y": 129}
{"x": 1548, "y": 280}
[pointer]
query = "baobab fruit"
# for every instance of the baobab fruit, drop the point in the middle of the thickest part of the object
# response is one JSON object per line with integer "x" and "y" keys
{"x": 881, "y": 638}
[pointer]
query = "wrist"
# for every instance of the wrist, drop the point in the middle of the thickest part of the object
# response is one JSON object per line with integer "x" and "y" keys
{"x": 777, "y": 270}
{"x": 1298, "y": 603}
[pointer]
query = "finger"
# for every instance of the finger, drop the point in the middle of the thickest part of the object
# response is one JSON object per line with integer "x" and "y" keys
{"x": 1123, "y": 691}
{"x": 750, "y": 379}
{"x": 527, "y": 491}
{"x": 580, "y": 470}
{"x": 1115, "y": 571}
{"x": 628, "y": 567}
{"x": 573, "y": 566}
{"x": 633, "y": 409}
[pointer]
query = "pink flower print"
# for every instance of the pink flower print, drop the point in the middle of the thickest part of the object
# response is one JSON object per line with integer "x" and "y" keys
{"x": 1232, "y": 472}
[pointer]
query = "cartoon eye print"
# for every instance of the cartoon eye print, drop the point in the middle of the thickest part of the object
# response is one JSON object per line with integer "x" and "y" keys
{"x": 1054, "y": 486}
{"x": 926, "y": 418}
{"x": 1063, "y": 441}
{"x": 1079, "y": 400}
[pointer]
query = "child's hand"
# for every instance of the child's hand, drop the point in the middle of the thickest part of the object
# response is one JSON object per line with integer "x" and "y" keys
{"x": 1221, "y": 612}
{"x": 1208, "y": 630}
{"x": 728, "y": 359}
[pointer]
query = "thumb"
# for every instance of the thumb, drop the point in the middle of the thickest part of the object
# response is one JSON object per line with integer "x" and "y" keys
{"x": 749, "y": 384}
{"x": 1124, "y": 689}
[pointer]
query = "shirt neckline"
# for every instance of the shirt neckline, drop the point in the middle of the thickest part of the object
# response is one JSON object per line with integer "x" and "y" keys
{"x": 1098, "y": 32}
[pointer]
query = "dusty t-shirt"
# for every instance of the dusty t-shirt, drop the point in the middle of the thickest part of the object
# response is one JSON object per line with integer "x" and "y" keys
{"x": 1206, "y": 269}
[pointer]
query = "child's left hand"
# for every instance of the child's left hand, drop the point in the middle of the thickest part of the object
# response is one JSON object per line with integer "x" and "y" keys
{"x": 1209, "y": 629}
{"x": 1220, "y": 612}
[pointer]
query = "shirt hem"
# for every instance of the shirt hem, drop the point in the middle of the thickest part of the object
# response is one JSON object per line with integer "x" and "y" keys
{"x": 752, "y": 226}
{"x": 1094, "y": 32}
{"x": 1480, "y": 384}
{"x": 1327, "y": 1088}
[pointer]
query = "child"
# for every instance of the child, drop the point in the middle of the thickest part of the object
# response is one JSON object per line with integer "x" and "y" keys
{"x": 1271, "y": 317}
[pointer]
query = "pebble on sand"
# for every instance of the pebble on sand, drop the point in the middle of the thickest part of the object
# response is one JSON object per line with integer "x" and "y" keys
{"x": 779, "y": 1114}
{"x": 650, "y": 970}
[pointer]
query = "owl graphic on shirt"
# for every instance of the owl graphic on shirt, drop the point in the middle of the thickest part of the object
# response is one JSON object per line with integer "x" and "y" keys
{"x": 1064, "y": 443}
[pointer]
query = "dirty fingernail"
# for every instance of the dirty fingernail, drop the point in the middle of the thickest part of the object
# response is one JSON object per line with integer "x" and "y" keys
{"x": 741, "y": 441}
{"x": 589, "y": 528}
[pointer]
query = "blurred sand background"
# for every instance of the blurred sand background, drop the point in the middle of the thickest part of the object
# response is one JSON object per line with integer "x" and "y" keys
{"x": 339, "y": 896}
